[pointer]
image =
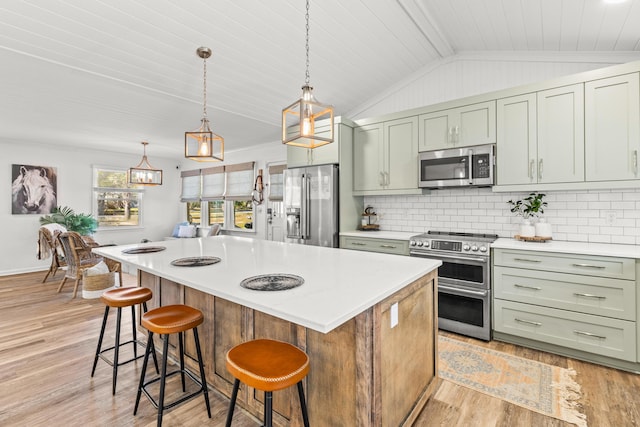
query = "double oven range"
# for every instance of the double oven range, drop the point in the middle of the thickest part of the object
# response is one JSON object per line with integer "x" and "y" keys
{"x": 464, "y": 279}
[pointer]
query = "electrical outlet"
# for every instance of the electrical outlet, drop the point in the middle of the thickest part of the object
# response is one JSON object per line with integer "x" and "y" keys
{"x": 610, "y": 217}
{"x": 394, "y": 315}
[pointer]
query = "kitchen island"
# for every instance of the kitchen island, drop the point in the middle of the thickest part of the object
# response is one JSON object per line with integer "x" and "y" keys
{"x": 368, "y": 322}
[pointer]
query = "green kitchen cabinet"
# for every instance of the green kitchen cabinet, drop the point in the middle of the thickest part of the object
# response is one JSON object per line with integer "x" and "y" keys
{"x": 540, "y": 137}
{"x": 387, "y": 246}
{"x": 385, "y": 157}
{"x": 463, "y": 126}
{"x": 582, "y": 306}
{"x": 612, "y": 128}
{"x": 326, "y": 154}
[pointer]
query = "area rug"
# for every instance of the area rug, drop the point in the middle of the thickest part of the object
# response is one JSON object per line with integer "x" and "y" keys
{"x": 542, "y": 388}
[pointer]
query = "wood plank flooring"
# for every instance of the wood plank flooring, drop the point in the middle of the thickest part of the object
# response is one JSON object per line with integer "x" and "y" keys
{"x": 47, "y": 343}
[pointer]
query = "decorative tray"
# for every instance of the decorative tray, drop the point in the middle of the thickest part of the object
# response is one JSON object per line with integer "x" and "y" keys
{"x": 532, "y": 239}
{"x": 144, "y": 250}
{"x": 272, "y": 282}
{"x": 196, "y": 261}
{"x": 371, "y": 227}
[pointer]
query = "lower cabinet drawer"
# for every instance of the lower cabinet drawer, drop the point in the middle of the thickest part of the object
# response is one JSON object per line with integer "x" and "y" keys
{"x": 397, "y": 247}
{"x": 588, "y": 265}
{"x": 586, "y": 294}
{"x": 594, "y": 334}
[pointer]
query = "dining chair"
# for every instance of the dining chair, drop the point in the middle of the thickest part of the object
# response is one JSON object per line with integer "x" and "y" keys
{"x": 49, "y": 246}
{"x": 79, "y": 257}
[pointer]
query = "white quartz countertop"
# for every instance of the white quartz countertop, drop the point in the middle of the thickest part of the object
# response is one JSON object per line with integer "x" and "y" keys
{"x": 339, "y": 283}
{"x": 579, "y": 248}
{"x": 381, "y": 234}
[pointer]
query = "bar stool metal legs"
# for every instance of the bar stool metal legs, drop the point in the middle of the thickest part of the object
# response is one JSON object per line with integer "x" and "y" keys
{"x": 165, "y": 321}
{"x": 119, "y": 298}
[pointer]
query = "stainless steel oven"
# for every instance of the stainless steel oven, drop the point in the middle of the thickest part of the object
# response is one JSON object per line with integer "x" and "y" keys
{"x": 464, "y": 279}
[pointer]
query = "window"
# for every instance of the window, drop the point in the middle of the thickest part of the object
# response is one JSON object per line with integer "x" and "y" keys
{"x": 220, "y": 195}
{"x": 242, "y": 214}
{"x": 116, "y": 203}
{"x": 194, "y": 214}
{"x": 216, "y": 212}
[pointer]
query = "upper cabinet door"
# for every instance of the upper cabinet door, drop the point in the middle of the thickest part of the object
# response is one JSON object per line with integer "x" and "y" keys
{"x": 435, "y": 131}
{"x": 561, "y": 134}
{"x": 517, "y": 140}
{"x": 368, "y": 157}
{"x": 401, "y": 152}
{"x": 477, "y": 124}
{"x": 472, "y": 124}
{"x": 612, "y": 132}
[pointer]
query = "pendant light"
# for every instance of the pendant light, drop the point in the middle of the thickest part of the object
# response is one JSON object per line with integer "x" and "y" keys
{"x": 144, "y": 173}
{"x": 203, "y": 145}
{"x": 300, "y": 118}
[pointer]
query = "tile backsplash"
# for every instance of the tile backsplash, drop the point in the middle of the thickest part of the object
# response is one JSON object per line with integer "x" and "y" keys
{"x": 603, "y": 216}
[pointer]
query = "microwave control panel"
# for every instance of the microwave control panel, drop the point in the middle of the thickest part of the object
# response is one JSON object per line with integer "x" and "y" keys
{"x": 481, "y": 166}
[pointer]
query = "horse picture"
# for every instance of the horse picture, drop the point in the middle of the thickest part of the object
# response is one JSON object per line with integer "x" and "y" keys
{"x": 33, "y": 189}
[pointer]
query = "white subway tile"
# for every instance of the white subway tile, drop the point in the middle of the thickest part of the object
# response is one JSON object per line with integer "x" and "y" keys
{"x": 610, "y": 197}
{"x": 625, "y": 240}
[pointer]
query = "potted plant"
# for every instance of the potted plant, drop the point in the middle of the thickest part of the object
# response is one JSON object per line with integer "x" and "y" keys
{"x": 83, "y": 224}
{"x": 528, "y": 208}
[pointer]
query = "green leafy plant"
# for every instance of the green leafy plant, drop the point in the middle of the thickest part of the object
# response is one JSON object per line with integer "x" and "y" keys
{"x": 529, "y": 207}
{"x": 83, "y": 224}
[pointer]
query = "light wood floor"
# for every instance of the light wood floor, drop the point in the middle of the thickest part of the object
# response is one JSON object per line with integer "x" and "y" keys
{"x": 47, "y": 342}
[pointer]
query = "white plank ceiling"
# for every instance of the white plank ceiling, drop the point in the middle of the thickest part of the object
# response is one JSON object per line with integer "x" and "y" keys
{"x": 111, "y": 73}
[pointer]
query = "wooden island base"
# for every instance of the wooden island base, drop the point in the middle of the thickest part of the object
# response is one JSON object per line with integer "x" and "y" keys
{"x": 363, "y": 373}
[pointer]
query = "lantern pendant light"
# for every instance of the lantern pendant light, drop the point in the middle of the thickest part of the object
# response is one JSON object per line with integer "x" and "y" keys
{"x": 144, "y": 173}
{"x": 300, "y": 119}
{"x": 203, "y": 145}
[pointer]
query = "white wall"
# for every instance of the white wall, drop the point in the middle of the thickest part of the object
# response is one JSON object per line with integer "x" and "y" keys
{"x": 74, "y": 169}
{"x": 262, "y": 154}
{"x": 609, "y": 216}
{"x": 466, "y": 75}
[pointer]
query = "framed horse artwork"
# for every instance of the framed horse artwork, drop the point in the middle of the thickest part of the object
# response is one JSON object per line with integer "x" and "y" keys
{"x": 33, "y": 189}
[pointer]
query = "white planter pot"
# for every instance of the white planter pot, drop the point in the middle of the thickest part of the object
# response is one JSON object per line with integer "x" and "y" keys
{"x": 526, "y": 229}
{"x": 543, "y": 228}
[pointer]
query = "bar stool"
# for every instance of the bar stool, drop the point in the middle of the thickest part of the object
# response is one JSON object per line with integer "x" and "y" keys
{"x": 119, "y": 298}
{"x": 267, "y": 365}
{"x": 166, "y": 320}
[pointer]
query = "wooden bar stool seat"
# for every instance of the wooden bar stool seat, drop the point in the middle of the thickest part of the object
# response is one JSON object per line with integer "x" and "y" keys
{"x": 267, "y": 365}
{"x": 119, "y": 298}
{"x": 166, "y": 320}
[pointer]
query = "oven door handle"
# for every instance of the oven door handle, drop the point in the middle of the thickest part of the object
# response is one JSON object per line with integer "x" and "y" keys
{"x": 462, "y": 291}
{"x": 457, "y": 258}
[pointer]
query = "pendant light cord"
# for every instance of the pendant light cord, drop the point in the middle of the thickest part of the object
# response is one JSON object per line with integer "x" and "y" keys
{"x": 205, "y": 89}
{"x": 306, "y": 16}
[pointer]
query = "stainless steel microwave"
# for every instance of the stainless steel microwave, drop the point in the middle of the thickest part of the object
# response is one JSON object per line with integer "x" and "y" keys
{"x": 458, "y": 167}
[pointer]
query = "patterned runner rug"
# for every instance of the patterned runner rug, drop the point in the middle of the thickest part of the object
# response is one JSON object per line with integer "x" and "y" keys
{"x": 542, "y": 388}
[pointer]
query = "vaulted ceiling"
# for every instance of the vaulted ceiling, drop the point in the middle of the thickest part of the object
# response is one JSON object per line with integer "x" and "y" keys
{"x": 111, "y": 73}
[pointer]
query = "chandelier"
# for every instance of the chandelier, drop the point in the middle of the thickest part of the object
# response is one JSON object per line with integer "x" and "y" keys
{"x": 144, "y": 173}
{"x": 203, "y": 145}
{"x": 299, "y": 119}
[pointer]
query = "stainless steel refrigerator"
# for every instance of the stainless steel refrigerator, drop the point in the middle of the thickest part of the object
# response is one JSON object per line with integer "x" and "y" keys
{"x": 311, "y": 205}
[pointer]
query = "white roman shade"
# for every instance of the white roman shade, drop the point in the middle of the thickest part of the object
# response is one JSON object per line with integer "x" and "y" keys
{"x": 239, "y": 181}
{"x": 276, "y": 182}
{"x": 190, "y": 186}
{"x": 213, "y": 183}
